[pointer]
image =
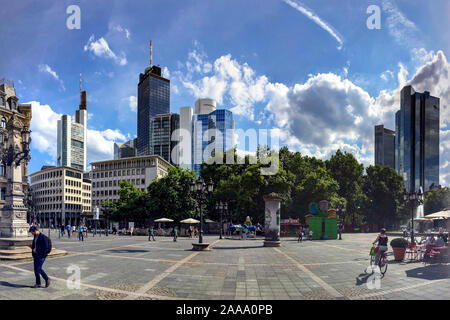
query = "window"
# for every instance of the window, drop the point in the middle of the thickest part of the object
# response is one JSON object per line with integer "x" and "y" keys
{"x": 3, "y": 122}
{"x": 3, "y": 194}
{"x": 2, "y": 170}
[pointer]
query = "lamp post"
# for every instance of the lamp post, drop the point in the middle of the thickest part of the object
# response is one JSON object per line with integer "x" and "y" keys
{"x": 413, "y": 199}
{"x": 200, "y": 191}
{"x": 107, "y": 208}
{"x": 221, "y": 208}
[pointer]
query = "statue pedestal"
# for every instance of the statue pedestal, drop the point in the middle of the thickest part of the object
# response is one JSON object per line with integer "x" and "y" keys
{"x": 14, "y": 249}
{"x": 268, "y": 243}
{"x": 201, "y": 247}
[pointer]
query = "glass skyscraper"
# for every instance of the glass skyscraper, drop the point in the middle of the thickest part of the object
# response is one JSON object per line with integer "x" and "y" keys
{"x": 161, "y": 129}
{"x": 219, "y": 120}
{"x": 417, "y": 140}
{"x": 384, "y": 146}
{"x": 153, "y": 99}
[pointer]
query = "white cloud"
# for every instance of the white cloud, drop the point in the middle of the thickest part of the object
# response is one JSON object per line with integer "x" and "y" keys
{"x": 47, "y": 69}
{"x": 100, "y": 144}
{"x": 100, "y": 48}
{"x": 315, "y": 18}
{"x": 402, "y": 29}
{"x": 387, "y": 75}
{"x": 132, "y": 103}
{"x": 119, "y": 28}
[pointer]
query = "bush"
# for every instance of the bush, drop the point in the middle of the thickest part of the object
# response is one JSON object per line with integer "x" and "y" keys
{"x": 399, "y": 243}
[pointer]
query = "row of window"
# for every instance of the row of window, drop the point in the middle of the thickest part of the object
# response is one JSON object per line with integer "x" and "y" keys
{"x": 115, "y": 183}
{"x": 118, "y": 173}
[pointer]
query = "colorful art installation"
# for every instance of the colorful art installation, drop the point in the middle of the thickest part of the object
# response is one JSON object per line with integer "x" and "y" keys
{"x": 322, "y": 221}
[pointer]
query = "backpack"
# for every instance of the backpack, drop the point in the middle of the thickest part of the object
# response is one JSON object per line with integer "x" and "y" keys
{"x": 49, "y": 246}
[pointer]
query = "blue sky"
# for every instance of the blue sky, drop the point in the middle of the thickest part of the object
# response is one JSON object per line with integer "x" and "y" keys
{"x": 311, "y": 71}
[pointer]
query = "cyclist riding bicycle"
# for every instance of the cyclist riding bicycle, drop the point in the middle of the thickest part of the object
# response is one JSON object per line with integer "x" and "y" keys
{"x": 382, "y": 247}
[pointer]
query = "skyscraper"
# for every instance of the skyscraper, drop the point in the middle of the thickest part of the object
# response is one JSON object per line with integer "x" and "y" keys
{"x": 162, "y": 127}
{"x": 216, "y": 126}
{"x": 125, "y": 150}
{"x": 153, "y": 99}
{"x": 417, "y": 140}
{"x": 384, "y": 146}
{"x": 72, "y": 137}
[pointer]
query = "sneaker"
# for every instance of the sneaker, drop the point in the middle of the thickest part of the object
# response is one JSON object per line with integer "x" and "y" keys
{"x": 47, "y": 283}
{"x": 36, "y": 286}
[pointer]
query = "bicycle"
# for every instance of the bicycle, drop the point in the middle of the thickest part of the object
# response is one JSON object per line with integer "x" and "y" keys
{"x": 382, "y": 264}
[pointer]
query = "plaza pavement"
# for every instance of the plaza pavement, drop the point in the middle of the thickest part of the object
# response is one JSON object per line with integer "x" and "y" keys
{"x": 121, "y": 267}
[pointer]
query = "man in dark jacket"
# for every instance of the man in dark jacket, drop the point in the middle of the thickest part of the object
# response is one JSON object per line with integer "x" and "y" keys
{"x": 39, "y": 251}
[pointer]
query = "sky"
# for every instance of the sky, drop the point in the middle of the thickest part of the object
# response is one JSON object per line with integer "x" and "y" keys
{"x": 310, "y": 71}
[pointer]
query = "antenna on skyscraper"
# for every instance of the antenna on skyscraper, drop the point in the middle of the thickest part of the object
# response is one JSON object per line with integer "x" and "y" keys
{"x": 151, "y": 53}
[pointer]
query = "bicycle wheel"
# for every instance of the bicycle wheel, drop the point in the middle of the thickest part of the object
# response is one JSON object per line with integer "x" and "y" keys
{"x": 383, "y": 265}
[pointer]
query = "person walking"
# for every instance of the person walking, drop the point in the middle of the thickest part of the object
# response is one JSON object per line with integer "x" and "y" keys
{"x": 300, "y": 235}
{"x": 62, "y": 228}
{"x": 80, "y": 233}
{"x": 39, "y": 250}
{"x": 85, "y": 231}
{"x": 131, "y": 231}
{"x": 74, "y": 230}
{"x": 340, "y": 229}
{"x": 175, "y": 234}
{"x": 69, "y": 230}
{"x": 310, "y": 235}
{"x": 151, "y": 233}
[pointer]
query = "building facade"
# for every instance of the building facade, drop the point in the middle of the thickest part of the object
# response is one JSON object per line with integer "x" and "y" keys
{"x": 125, "y": 150}
{"x": 216, "y": 127}
{"x": 10, "y": 108}
{"x": 384, "y": 146}
{"x": 417, "y": 140}
{"x": 61, "y": 195}
{"x": 107, "y": 175}
{"x": 72, "y": 137}
{"x": 153, "y": 99}
{"x": 163, "y": 128}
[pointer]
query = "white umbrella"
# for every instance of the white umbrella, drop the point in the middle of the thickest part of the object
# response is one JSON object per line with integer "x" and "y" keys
{"x": 444, "y": 214}
{"x": 163, "y": 220}
{"x": 190, "y": 220}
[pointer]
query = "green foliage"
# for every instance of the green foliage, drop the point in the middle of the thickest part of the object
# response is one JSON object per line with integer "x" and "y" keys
{"x": 399, "y": 243}
{"x": 383, "y": 188}
{"x": 131, "y": 203}
{"x": 437, "y": 200}
{"x": 169, "y": 197}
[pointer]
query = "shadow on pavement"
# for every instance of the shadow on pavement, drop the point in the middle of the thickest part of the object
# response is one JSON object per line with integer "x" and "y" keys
{"x": 12, "y": 285}
{"x": 127, "y": 251}
{"x": 434, "y": 272}
{"x": 234, "y": 248}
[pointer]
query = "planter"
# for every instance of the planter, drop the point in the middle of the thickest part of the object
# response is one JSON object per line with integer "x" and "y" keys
{"x": 399, "y": 253}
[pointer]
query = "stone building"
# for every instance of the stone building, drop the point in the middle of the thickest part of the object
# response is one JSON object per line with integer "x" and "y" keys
{"x": 141, "y": 171}
{"x": 60, "y": 195}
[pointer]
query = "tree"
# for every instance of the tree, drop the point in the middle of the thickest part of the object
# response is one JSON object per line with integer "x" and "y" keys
{"x": 348, "y": 173}
{"x": 383, "y": 188}
{"x": 169, "y": 197}
{"x": 437, "y": 200}
{"x": 131, "y": 203}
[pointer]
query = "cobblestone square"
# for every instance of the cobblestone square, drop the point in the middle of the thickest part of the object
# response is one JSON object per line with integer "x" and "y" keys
{"x": 117, "y": 268}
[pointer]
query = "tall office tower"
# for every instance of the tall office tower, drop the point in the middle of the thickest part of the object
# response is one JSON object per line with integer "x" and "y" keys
{"x": 125, "y": 150}
{"x": 384, "y": 146}
{"x": 185, "y": 144}
{"x": 220, "y": 126}
{"x": 72, "y": 137}
{"x": 205, "y": 106}
{"x": 162, "y": 127}
{"x": 153, "y": 99}
{"x": 417, "y": 141}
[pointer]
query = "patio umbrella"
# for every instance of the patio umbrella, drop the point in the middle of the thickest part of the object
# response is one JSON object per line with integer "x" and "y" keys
{"x": 163, "y": 220}
{"x": 444, "y": 214}
{"x": 190, "y": 220}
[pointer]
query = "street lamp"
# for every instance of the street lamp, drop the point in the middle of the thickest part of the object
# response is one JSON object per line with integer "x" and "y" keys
{"x": 200, "y": 191}
{"x": 413, "y": 199}
{"x": 221, "y": 208}
{"x": 12, "y": 154}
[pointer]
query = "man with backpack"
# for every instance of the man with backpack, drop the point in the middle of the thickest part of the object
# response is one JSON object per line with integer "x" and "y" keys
{"x": 40, "y": 248}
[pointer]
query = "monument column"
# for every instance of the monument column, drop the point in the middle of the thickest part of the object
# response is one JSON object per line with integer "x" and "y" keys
{"x": 272, "y": 220}
{"x": 13, "y": 223}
